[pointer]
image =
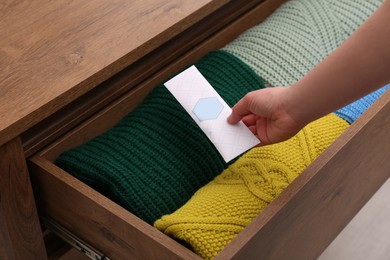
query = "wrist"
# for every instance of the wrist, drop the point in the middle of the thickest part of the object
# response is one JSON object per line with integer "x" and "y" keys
{"x": 299, "y": 106}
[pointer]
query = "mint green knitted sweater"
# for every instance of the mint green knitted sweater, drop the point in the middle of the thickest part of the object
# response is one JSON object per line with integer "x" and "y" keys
{"x": 299, "y": 35}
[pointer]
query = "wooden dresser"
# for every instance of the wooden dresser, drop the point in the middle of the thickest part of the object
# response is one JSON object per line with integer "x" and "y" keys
{"x": 70, "y": 70}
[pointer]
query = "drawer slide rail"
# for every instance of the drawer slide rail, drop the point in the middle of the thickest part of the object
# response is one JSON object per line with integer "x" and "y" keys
{"x": 73, "y": 240}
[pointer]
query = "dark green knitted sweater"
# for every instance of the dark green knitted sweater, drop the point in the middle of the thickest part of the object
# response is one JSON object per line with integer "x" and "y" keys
{"x": 156, "y": 157}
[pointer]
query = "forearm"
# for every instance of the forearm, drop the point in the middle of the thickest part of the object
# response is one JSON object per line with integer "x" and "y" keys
{"x": 356, "y": 68}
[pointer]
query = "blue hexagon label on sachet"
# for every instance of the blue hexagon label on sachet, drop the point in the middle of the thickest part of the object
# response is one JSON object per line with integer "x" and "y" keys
{"x": 207, "y": 108}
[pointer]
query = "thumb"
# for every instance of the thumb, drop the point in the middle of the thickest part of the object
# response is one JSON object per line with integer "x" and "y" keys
{"x": 239, "y": 110}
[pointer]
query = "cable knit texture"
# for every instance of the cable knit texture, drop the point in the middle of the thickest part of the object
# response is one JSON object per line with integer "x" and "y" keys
{"x": 221, "y": 209}
{"x": 354, "y": 110}
{"x": 299, "y": 35}
{"x": 156, "y": 158}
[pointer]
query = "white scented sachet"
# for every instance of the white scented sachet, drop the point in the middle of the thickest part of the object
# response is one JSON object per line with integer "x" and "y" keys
{"x": 210, "y": 112}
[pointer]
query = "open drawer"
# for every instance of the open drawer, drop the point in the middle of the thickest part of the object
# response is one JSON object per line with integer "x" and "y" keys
{"x": 298, "y": 224}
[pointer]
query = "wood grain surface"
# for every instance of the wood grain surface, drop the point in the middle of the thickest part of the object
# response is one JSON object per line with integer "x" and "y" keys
{"x": 20, "y": 231}
{"x": 52, "y": 52}
{"x": 162, "y": 58}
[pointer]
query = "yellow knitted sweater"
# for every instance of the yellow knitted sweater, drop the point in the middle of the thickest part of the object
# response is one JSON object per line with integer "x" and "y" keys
{"x": 221, "y": 209}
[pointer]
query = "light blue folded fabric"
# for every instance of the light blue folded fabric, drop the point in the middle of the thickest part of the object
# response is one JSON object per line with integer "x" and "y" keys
{"x": 354, "y": 110}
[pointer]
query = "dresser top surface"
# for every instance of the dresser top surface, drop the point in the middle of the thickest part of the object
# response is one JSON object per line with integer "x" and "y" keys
{"x": 52, "y": 52}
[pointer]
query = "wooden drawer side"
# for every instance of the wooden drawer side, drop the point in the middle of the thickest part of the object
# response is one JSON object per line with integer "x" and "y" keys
{"x": 96, "y": 219}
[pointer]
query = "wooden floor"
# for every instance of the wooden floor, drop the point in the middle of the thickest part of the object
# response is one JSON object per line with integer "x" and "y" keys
{"x": 367, "y": 236}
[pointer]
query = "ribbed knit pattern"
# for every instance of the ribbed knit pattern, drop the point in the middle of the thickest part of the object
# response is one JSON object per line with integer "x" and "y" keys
{"x": 156, "y": 157}
{"x": 354, "y": 110}
{"x": 222, "y": 208}
{"x": 299, "y": 35}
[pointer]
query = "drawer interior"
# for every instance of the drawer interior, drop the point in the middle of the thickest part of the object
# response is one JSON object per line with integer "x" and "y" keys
{"x": 311, "y": 211}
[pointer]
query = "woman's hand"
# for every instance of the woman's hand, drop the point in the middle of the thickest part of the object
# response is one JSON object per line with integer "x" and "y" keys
{"x": 267, "y": 114}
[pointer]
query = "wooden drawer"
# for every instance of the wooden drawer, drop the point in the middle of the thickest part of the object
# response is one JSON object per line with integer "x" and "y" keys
{"x": 298, "y": 224}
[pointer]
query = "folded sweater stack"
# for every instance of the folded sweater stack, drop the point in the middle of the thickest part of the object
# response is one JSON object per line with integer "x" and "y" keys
{"x": 156, "y": 158}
